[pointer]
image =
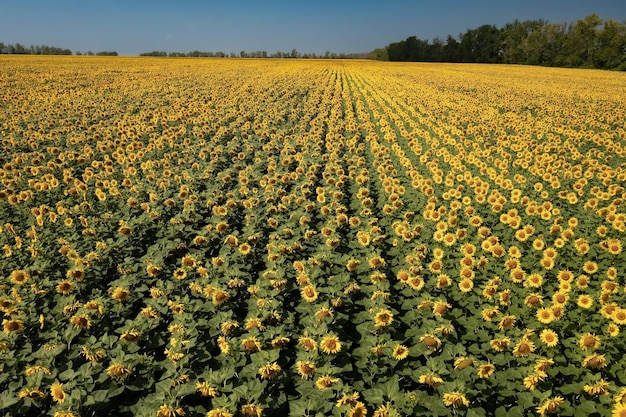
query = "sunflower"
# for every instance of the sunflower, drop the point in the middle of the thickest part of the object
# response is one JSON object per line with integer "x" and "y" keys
{"x": 222, "y": 343}
{"x": 466, "y": 285}
{"x": 619, "y": 410}
{"x": 547, "y": 263}
{"x": 619, "y": 316}
{"x": 590, "y": 267}
{"x": 118, "y": 371}
{"x": 431, "y": 341}
{"x": 538, "y": 244}
{"x": 252, "y": 410}
{"x": 77, "y": 274}
{"x": 34, "y": 394}
{"x": 613, "y": 246}
{"x": 330, "y": 344}
{"x": 358, "y": 410}
{"x": 463, "y": 362}
{"x": 57, "y": 393}
{"x": 378, "y": 349}
{"x": 269, "y": 370}
{"x": 584, "y": 301}
{"x": 455, "y": 399}
{"x": 594, "y": 361}
{"x": 347, "y": 399}
{"x": 550, "y": 405}
{"x": 219, "y": 412}
{"x": 306, "y": 369}
{"x": 120, "y": 294}
{"x": 383, "y": 318}
{"x": 65, "y": 287}
{"x": 431, "y": 379}
{"x": 523, "y": 348}
{"x": 416, "y": 283}
{"x": 589, "y": 341}
{"x": 443, "y": 281}
{"x": 220, "y": 297}
{"x": 307, "y": 343}
{"x": 531, "y": 381}
{"x": 440, "y": 308}
{"x": 325, "y": 382}
{"x": 309, "y": 293}
{"x": 352, "y": 264}
{"x": 489, "y": 314}
{"x": 549, "y": 337}
{"x": 435, "y": 266}
{"x": 507, "y": 322}
{"x": 611, "y": 272}
{"x": 400, "y": 352}
{"x": 36, "y": 369}
{"x": 20, "y": 277}
{"x": 545, "y": 315}
{"x": 486, "y": 370}
{"x": 560, "y": 298}
{"x": 81, "y": 321}
{"x": 500, "y": 344}
{"x": 376, "y": 262}
{"x": 180, "y": 274}
{"x": 13, "y": 325}
{"x": 251, "y": 344}
{"x": 324, "y": 312}
{"x": 599, "y": 388}
{"x": 152, "y": 270}
{"x": 169, "y": 411}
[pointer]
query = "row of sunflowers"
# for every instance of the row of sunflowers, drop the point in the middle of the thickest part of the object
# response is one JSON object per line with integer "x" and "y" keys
{"x": 262, "y": 237}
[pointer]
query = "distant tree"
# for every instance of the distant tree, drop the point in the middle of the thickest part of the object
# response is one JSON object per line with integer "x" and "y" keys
{"x": 397, "y": 51}
{"x": 380, "y": 54}
{"x": 582, "y": 41}
{"x": 19, "y": 49}
{"x": 588, "y": 42}
{"x": 481, "y": 45}
{"x": 154, "y": 53}
{"x": 611, "y": 47}
{"x": 452, "y": 51}
{"x": 437, "y": 50}
{"x": 513, "y": 38}
{"x": 545, "y": 45}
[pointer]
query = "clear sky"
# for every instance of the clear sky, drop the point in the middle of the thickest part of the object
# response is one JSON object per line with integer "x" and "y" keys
{"x": 349, "y": 26}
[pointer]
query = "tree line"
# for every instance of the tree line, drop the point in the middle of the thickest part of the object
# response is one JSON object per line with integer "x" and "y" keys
{"x": 590, "y": 42}
{"x": 20, "y": 49}
{"x": 255, "y": 54}
{"x": 32, "y": 50}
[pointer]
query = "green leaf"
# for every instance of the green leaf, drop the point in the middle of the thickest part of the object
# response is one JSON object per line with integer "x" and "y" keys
{"x": 525, "y": 399}
{"x": 374, "y": 395}
{"x": 476, "y": 412}
{"x": 390, "y": 389}
{"x": 7, "y": 399}
{"x": 67, "y": 375}
{"x": 585, "y": 408}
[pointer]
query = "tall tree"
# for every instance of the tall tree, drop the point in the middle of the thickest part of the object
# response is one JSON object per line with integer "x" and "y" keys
{"x": 582, "y": 41}
{"x": 611, "y": 51}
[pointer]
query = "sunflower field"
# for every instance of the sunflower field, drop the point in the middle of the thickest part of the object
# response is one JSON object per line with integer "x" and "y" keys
{"x": 216, "y": 237}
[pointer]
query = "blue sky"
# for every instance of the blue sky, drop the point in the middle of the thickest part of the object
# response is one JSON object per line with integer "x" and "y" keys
{"x": 134, "y": 26}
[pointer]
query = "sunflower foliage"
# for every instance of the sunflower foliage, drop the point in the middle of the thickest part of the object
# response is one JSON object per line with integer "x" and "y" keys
{"x": 255, "y": 238}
